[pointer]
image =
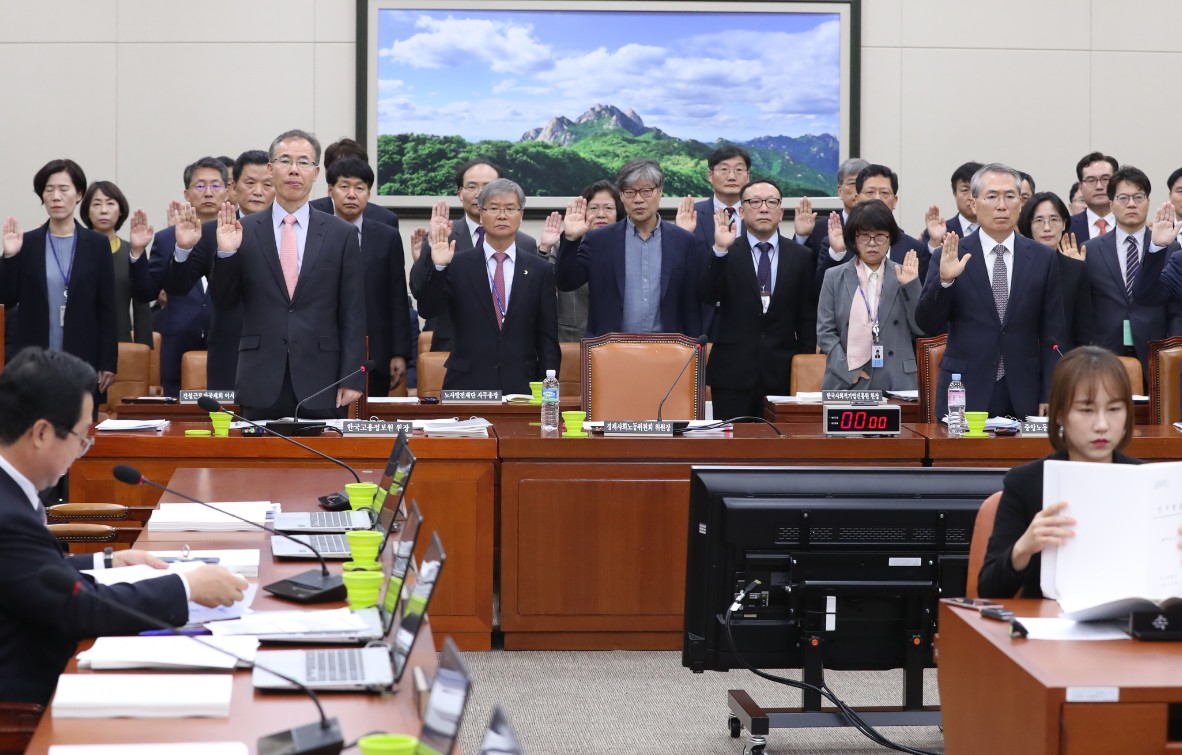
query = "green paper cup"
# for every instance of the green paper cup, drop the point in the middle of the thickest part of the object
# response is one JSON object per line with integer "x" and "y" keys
{"x": 976, "y": 421}
{"x": 361, "y": 494}
{"x": 198, "y": 433}
{"x": 574, "y": 421}
{"x": 362, "y": 588}
{"x": 535, "y": 389}
{"x": 221, "y": 423}
{"x": 361, "y": 566}
{"x": 363, "y": 545}
{"x": 387, "y": 744}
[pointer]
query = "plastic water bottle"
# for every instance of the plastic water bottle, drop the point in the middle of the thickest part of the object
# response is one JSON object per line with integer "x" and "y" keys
{"x": 550, "y": 403}
{"x": 956, "y": 404}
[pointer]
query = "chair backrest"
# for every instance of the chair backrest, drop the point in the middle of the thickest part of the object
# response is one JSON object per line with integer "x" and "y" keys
{"x": 431, "y": 372}
{"x": 154, "y": 361}
{"x": 569, "y": 383}
{"x": 193, "y": 375}
{"x": 132, "y": 377}
{"x": 1136, "y": 374}
{"x": 928, "y": 353}
{"x": 808, "y": 370}
{"x": 625, "y": 376}
{"x": 982, "y": 530}
{"x": 425, "y": 340}
{"x": 1165, "y": 370}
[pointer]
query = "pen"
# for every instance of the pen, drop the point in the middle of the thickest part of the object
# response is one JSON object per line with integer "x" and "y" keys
{"x": 190, "y": 632}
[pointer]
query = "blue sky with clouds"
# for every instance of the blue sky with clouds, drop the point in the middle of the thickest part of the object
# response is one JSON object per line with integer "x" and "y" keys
{"x": 490, "y": 74}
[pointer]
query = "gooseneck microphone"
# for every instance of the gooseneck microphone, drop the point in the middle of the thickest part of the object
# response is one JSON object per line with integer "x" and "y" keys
{"x": 323, "y": 738}
{"x": 296, "y": 427}
{"x": 693, "y": 353}
{"x": 313, "y": 586}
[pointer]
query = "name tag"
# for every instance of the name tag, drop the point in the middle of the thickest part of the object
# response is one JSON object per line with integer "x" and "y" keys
{"x": 471, "y": 397}
{"x": 851, "y": 397}
{"x": 1034, "y": 428}
{"x": 626, "y": 427}
{"x": 375, "y": 427}
{"x": 222, "y": 397}
{"x": 876, "y": 360}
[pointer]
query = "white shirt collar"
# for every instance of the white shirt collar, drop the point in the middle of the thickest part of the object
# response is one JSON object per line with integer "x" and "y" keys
{"x": 1110, "y": 219}
{"x": 301, "y": 215}
{"x": 1121, "y": 236}
{"x": 774, "y": 241}
{"x": 987, "y": 242}
{"x": 489, "y": 252}
{"x": 965, "y": 223}
{"x": 718, "y": 205}
{"x": 23, "y": 482}
{"x": 472, "y": 226}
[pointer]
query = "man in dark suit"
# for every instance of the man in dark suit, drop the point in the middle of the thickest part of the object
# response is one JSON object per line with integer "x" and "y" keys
{"x": 387, "y": 313}
{"x": 998, "y": 294}
{"x": 467, "y": 231}
{"x": 45, "y": 411}
{"x": 816, "y": 235}
{"x": 298, "y": 275}
{"x": 1094, "y": 171}
{"x": 763, "y": 284}
{"x": 343, "y": 148}
{"x": 1124, "y": 325}
{"x": 642, "y": 272}
{"x": 965, "y": 221}
{"x": 501, "y": 299}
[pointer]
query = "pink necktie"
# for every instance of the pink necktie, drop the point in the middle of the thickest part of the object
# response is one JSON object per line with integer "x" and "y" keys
{"x": 1102, "y": 226}
{"x": 289, "y": 255}
{"x": 499, "y": 287}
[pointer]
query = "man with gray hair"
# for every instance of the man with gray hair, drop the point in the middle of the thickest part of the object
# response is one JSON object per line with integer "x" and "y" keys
{"x": 815, "y": 235}
{"x": 642, "y": 272}
{"x": 999, "y": 295}
{"x": 501, "y": 299}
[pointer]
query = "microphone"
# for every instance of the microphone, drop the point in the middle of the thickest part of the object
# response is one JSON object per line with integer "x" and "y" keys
{"x": 661, "y": 407}
{"x": 313, "y": 586}
{"x": 1055, "y": 346}
{"x": 323, "y": 738}
{"x": 295, "y": 427}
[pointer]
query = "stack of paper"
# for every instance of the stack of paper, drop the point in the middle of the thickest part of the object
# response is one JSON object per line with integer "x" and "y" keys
{"x": 185, "y": 517}
{"x": 143, "y": 695}
{"x": 392, "y": 400}
{"x": 124, "y": 425}
{"x": 168, "y": 652}
{"x": 801, "y": 397}
{"x": 476, "y": 427}
{"x": 174, "y": 748}
{"x": 244, "y": 561}
{"x": 265, "y": 623}
{"x": 903, "y": 395}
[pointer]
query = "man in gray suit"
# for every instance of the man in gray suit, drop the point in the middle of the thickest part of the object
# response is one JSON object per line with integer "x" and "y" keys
{"x": 297, "y": 274}
{"x": 468, "y": 233}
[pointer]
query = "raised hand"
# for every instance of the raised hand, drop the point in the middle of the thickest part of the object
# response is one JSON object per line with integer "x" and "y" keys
{"x": 551, "y": 233}
{"x": 805, "y": 220}
{"x": 952, "y": 266}
{"x": 687, "y": 216}
{"x": 442, "y": 250}
{"x": 439, "y": 213}
{"x": 836, "y": 237}
{"x": 229, "y": 229}
{"x": 909, "y": 271}
{"x": 417, "y": 237}
{"x": 141, "y": 233}
{"x": 1165, "y": 229}
{"x": 1073, "y": 250}
{"x": 171, "y": 213}
{"x": 188, "y": 226}
{"x": 724, "y": 230}
{"x": 13, "y": 238}
{"x": 935, "y": 225}
{"x": 575, "y": 221}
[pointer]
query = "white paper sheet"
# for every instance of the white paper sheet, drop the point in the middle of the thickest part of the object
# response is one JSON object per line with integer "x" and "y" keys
{"x": 126, "y": 425}
{"x": 1040, "y": 628}
{"x": 172, "y": 748}
{"x": 167, "y": 652}
{"x": 291, "y": 622}
{"x": 143, "y": 695}
{"x": 194, "y": 517}
{"x": 244, "y": 561}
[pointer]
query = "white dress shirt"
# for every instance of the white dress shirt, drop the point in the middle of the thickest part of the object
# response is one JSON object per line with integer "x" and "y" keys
{"x": 988, "y": 244}
{"x": 1093, "y": 231}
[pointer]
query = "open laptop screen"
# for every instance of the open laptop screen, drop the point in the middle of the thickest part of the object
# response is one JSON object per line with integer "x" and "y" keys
{"x": 400, "y": 561}
{"x": 499, "y": 737}
{"x": 445, "y": 706}
{"x": 415, "y": 610}
{"x": 388, "y": 501}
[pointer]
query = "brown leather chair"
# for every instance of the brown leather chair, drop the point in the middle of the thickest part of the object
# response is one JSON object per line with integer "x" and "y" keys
{"x": 1165, "y": 370}
{"x": 1136, "y": 374}
{"x": 193, "y": 376}
{"x": 425, "y": 340}
{"x": 431, "y": 372}
{"x": 113, "y": 514}
{"x": 928, "y": 353}
{"x": 154, "y": 362}
{"x": 627, "y": 374}
{"x": 808, "y": 370}
{"x": 982, "y": 530}
{"x": 91, "y": 538}
{"x": 18, "y": 721}
{"x": 132, "y": 377}
{"x": 569, "y": 383}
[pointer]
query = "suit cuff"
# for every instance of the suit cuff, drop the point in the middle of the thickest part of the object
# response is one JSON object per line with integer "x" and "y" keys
{"x": 185, "y": 584}
{"x": 223, "y": 255}
{"x": 1154, "y": 248}
{"x": 180, "y": 255}
{"x": 946, "y": 285}
{"x": 718, "y": 253}
{"x": 440, "y": 268}
{"x": 836, "y": 256}
{"x": 801, "y": 239}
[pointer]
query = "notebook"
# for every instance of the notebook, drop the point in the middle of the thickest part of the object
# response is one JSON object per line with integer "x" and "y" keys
{"x": 376, "y": 667}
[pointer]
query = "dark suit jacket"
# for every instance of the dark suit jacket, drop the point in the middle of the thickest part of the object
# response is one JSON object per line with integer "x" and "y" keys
{"x": 189, "y": 309}
{"x": 704, "y": 233}
{"x": 372, "y": 212}
{"x": 1021, "y": 500}
{"x": 90, "y": 331}
{"x": 572, "y": 305}
{"x": 319, "y": 332}
{"x": 131, "y": 313}
{"x": 752, "y": 348}
{"x": 444, "y": 332}
{"x": 599, "y": 262}
{"x": 1079, "y": 322}
{"x": 977, "y": 339}
{"x": 483, "y": 355}
{"x": 1111, "y": 305}
{"x": 897, "y": 254}
{"x": 387, "y": 313}
{"x": 40, "y": 627}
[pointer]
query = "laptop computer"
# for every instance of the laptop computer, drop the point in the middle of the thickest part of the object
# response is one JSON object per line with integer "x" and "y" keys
{"x": 446, "y": 703}
{"x": 499, "y": 737}
{"x": 375, "y": 668}
{"x": 388, "y": 502}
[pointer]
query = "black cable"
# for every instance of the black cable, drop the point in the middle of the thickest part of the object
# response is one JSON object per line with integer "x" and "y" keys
{"x": 850, "y": 714}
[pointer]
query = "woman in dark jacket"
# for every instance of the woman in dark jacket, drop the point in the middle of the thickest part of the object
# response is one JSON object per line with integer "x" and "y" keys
{"x": 105, "y": 209}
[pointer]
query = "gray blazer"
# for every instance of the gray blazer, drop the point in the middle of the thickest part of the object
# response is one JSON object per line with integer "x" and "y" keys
{"x": 896, "y": 323}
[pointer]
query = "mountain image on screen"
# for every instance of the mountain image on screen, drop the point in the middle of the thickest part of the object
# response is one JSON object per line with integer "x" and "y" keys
{"x": 562, "y": 156}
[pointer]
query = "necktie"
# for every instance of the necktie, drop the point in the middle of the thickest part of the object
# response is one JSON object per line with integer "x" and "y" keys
{"x": 499, "y": 287}
{"x": 289, "y": 254}
{"x": 1102, "y": 226}
{"x": 479, "y": 236}
{"x": 1132, "y": 266}
{"x": 764, "y": 271}
{"x": 1001, "y": 295}
{"x": 730, "y": 213}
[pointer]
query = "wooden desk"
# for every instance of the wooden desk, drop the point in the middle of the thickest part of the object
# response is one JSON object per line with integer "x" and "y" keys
{"x": 492, "y": 412}
{"x": 1150, "y": 442}
{"x": 593, "y": 530}
{"x": 1002, "y": 695}
{"x": 454, "y": 483}
{"x": 811, "y": 413}
{"x": 253, "y": 713}
{"x": 174, "y": 412}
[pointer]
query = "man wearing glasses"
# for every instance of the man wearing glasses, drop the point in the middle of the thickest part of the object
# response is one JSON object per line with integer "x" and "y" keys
{"x": 501, "y": 299}
{"x": 763, "y": 284}
{"x": 1094, "y": 172}
{"x": 998, "y": 293}
{"x": 298, "y": 276}
{"x": 1123, "y": 324}
{"x": 641, "y": 272}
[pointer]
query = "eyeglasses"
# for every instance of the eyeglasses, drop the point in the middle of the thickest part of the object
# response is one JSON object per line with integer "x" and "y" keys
{"x": 1053, "y": 221}
{"x": 495, "y": 211}
{"x": 883, "y": 194}
{"x": 725, "y": 170}
{"x": 1097, "y": 180}
{"x": 85, "y": 441}
{"x": 604, "y": 209}
{"x": 873, "y": 239}
{"x": 214, "y": 187}
{"x": 631, "y": 193}
{"x": 1127, "y": 199}
{"x": 472, "y": 188}
{"x": 286, "y": 161}
{"x": 993, "y": 198}
{"x": 755, "y": 203}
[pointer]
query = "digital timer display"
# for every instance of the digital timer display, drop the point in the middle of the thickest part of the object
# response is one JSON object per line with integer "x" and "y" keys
{"x": 885, "y": 419}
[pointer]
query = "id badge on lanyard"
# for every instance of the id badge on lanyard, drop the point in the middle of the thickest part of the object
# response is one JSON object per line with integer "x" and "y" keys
{"x": 765, "y": 298}
{"x": 876, "y": 359}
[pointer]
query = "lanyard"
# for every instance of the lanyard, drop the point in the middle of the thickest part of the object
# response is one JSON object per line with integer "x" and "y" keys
{"x": 877, "y": 310}
{"x": 66, "y": 272}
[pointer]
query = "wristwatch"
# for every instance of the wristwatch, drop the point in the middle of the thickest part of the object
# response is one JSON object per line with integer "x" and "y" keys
{"x": 108, "y": 558}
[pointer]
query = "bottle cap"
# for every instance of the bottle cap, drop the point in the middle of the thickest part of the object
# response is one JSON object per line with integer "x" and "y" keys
{"x": 550, "y": 373}
{"x": 956, "y": 376}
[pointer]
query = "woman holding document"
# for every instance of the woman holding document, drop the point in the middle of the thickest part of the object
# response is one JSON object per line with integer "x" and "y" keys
{"x": 1090, "y": 419}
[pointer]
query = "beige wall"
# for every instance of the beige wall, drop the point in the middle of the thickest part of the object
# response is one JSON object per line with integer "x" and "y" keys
{"x": 135, "y": 89}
